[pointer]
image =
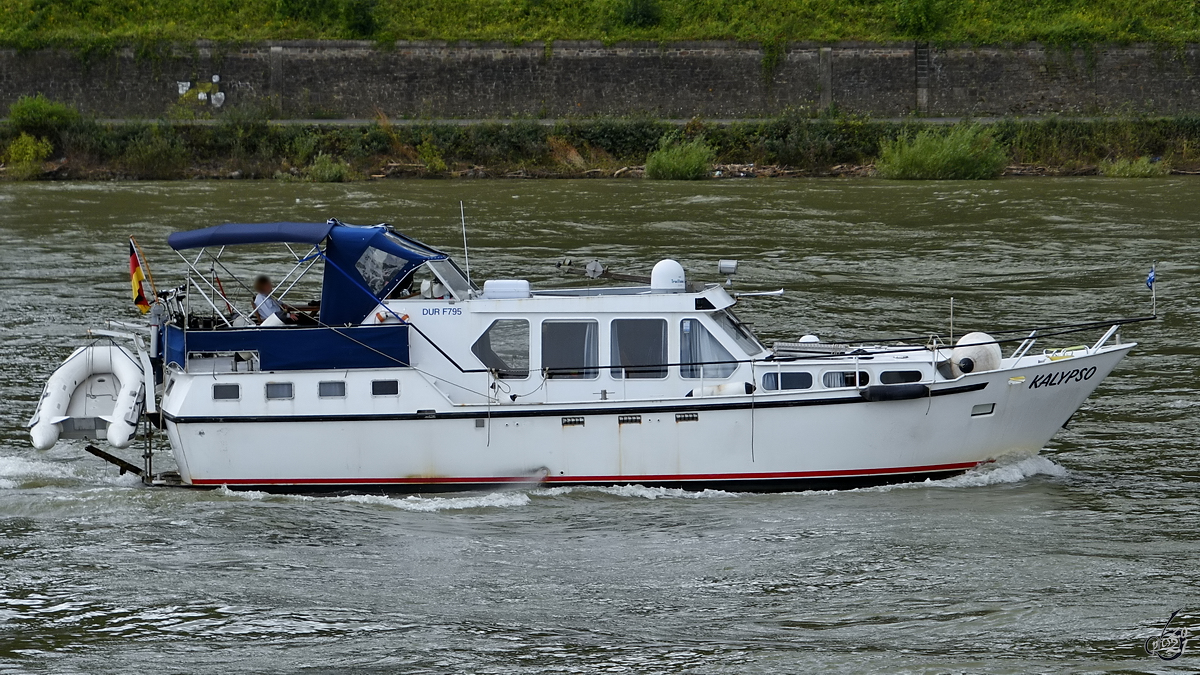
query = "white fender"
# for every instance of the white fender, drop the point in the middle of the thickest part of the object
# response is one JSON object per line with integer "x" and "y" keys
{"x": 82, "y": 364}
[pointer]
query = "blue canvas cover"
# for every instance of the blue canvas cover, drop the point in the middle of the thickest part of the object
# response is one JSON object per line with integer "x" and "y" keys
{"x": 347, "y": 296}
{"x": 230, "y": 234}
{"x": 383, "y": 346}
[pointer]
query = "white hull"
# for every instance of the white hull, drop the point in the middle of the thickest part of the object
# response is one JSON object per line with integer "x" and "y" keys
{"x": 774, "y": 440}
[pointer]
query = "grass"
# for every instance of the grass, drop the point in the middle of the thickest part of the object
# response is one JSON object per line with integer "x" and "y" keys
{"x": 1142, "y": 167}
{"x": 246, "y": 144}
{"x": 680, "y": 160}
{"x": 90, "y": 25}
{"x": 962, "y": 152}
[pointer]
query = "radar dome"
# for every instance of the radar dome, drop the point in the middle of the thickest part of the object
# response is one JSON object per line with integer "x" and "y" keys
{"x": 668, "y": 276}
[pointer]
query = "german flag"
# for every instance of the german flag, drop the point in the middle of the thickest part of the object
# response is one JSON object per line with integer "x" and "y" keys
{"x": 137, "y": 278}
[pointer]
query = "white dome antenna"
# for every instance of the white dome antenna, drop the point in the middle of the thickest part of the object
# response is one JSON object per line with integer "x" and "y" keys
{"x": 668, "y": 275}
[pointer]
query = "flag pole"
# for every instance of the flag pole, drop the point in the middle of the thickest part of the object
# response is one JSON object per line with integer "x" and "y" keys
{"x": 146, "y": 265}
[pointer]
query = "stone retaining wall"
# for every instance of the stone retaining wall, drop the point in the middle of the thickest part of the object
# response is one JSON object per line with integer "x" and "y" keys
{"x": 305, "y": 79}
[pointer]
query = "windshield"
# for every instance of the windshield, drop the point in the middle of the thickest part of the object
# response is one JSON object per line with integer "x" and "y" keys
{"x": 738, "y": 331}
{"x": 452, "y": 278}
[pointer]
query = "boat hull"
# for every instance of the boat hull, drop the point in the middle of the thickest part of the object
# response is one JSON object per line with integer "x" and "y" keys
{"x": 784, "y": 441}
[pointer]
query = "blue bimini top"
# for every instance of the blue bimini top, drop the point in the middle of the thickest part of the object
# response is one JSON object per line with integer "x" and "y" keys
{"x": 231, "y": 234}
{"x": 362, "y": 263}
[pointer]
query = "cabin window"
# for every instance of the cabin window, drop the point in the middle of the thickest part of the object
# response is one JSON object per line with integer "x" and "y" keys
{"x": 738, "y": 331}
{"x": 504, "y": 347}
{"x": 786, "y": 380}
{"x": 837, "y": 379}
{"x": 385, "y": 387}
{"x": 227, "y": 392}
{"x": 900, "y": 376}
{"x": 331, "y": 389}
{"x": 279, "y": 390}
{"x": 571, "y": 349}
{"x": 700, "y": 354}
{"x": 378, "y": 267}
{"x": 638, "y": 348}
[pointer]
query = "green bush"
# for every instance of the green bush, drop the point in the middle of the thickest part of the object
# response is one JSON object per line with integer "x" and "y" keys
{"x": 358, "y": 18}
{"x": 326, "y": 169}
{"x": 639, "y": 13}
{"x": 25, "y": 156}
{"x": 155, "y": 154}
{"x": 1142, "y": 167}
{"x": 39, "y": 116}
{"x": 303, "y": 148}
{"x": 962, "y": 152}
{"x": 431, "y": 157}
{"x": 675, "y": 160}
{"x": 918, "y": 18}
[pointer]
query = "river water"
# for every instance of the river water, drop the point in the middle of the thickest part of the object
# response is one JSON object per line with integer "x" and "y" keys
{"x": 1062, "y": 562}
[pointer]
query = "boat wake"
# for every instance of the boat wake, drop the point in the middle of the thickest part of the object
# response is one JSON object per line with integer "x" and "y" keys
{"x": 1010, "y": 469}
{"x": 416, "y": 503}
{"x": 16, "y": 472}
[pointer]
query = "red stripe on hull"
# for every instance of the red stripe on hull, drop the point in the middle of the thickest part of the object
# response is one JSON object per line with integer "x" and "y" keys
{"x": 443, "y": 480}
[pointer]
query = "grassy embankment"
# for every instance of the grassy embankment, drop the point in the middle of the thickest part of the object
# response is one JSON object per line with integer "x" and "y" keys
{"x": 99, "y": 24}
{"x": 43, "y": 139}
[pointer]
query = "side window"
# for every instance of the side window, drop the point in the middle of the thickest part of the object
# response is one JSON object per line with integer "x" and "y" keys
{"x": 639, "y": 348}
{"x": 571, "y": 349}
{"x": 835, "y": 380}
{"x": 777, "y": 381}
{"x": 378, "y": 267}
{"x": 276, "y": 390}
{"x": 331, "y": 389}
{"x": 227, "y": 392}
{"x": 700, "y": 354}
{"x": 504, "y": 347}
{"x": 385, "y": 388}
{"x": 900, "y": 376}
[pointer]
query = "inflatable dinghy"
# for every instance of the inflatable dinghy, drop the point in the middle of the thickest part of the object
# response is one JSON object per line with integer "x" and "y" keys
{"x": 98, "y": 392}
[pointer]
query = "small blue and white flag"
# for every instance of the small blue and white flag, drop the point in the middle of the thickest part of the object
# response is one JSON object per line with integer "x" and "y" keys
{"x": 1150, "y": 279}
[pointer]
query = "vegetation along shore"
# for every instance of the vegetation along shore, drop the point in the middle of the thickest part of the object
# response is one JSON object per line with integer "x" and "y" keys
{"x": 45, "y": 140}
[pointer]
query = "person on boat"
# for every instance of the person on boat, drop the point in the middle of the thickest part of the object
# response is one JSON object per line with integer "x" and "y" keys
{"x": 266, "y": 306}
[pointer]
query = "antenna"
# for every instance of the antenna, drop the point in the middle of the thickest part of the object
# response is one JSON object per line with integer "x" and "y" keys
{"x": 466, "y": 255}
{"x": 952, "y": 320}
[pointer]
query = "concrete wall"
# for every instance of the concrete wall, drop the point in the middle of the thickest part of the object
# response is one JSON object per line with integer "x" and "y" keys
{"x": 716, "y": 80}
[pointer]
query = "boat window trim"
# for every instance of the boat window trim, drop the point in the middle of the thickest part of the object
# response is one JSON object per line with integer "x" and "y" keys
{"x": 452, "y": 278}
{"x": 617, "y": 370}
{"x": 699, "y": 367}
{"x": 382, "y": 395}
{"x": 734, "y": 328}
{"x": 321, "y": 384}
{"x": 505, "y": 373}
{"x": 587, "y": 372}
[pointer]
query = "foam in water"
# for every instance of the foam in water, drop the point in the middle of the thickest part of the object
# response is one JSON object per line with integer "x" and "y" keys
{"x": 21, "y": 468}
{"x": 429, "y": 504}
{"x": 1013, "y": 469}
{"x": 411, "y": 503}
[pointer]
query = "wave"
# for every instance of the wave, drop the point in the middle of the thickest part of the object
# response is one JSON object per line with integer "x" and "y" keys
{"x": 429, "y": 504}
{"x": 637, "y": 491}
{"x": 409, "y": 503}
{"x": 24, "y": 470}
{"x": 1009, "y": 469}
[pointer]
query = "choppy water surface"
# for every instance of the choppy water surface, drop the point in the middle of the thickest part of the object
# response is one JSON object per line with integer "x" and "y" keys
{"x": 1064, "y": 562}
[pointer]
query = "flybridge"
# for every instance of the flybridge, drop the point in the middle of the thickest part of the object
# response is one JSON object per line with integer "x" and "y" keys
{"x": 363, "y": 264}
